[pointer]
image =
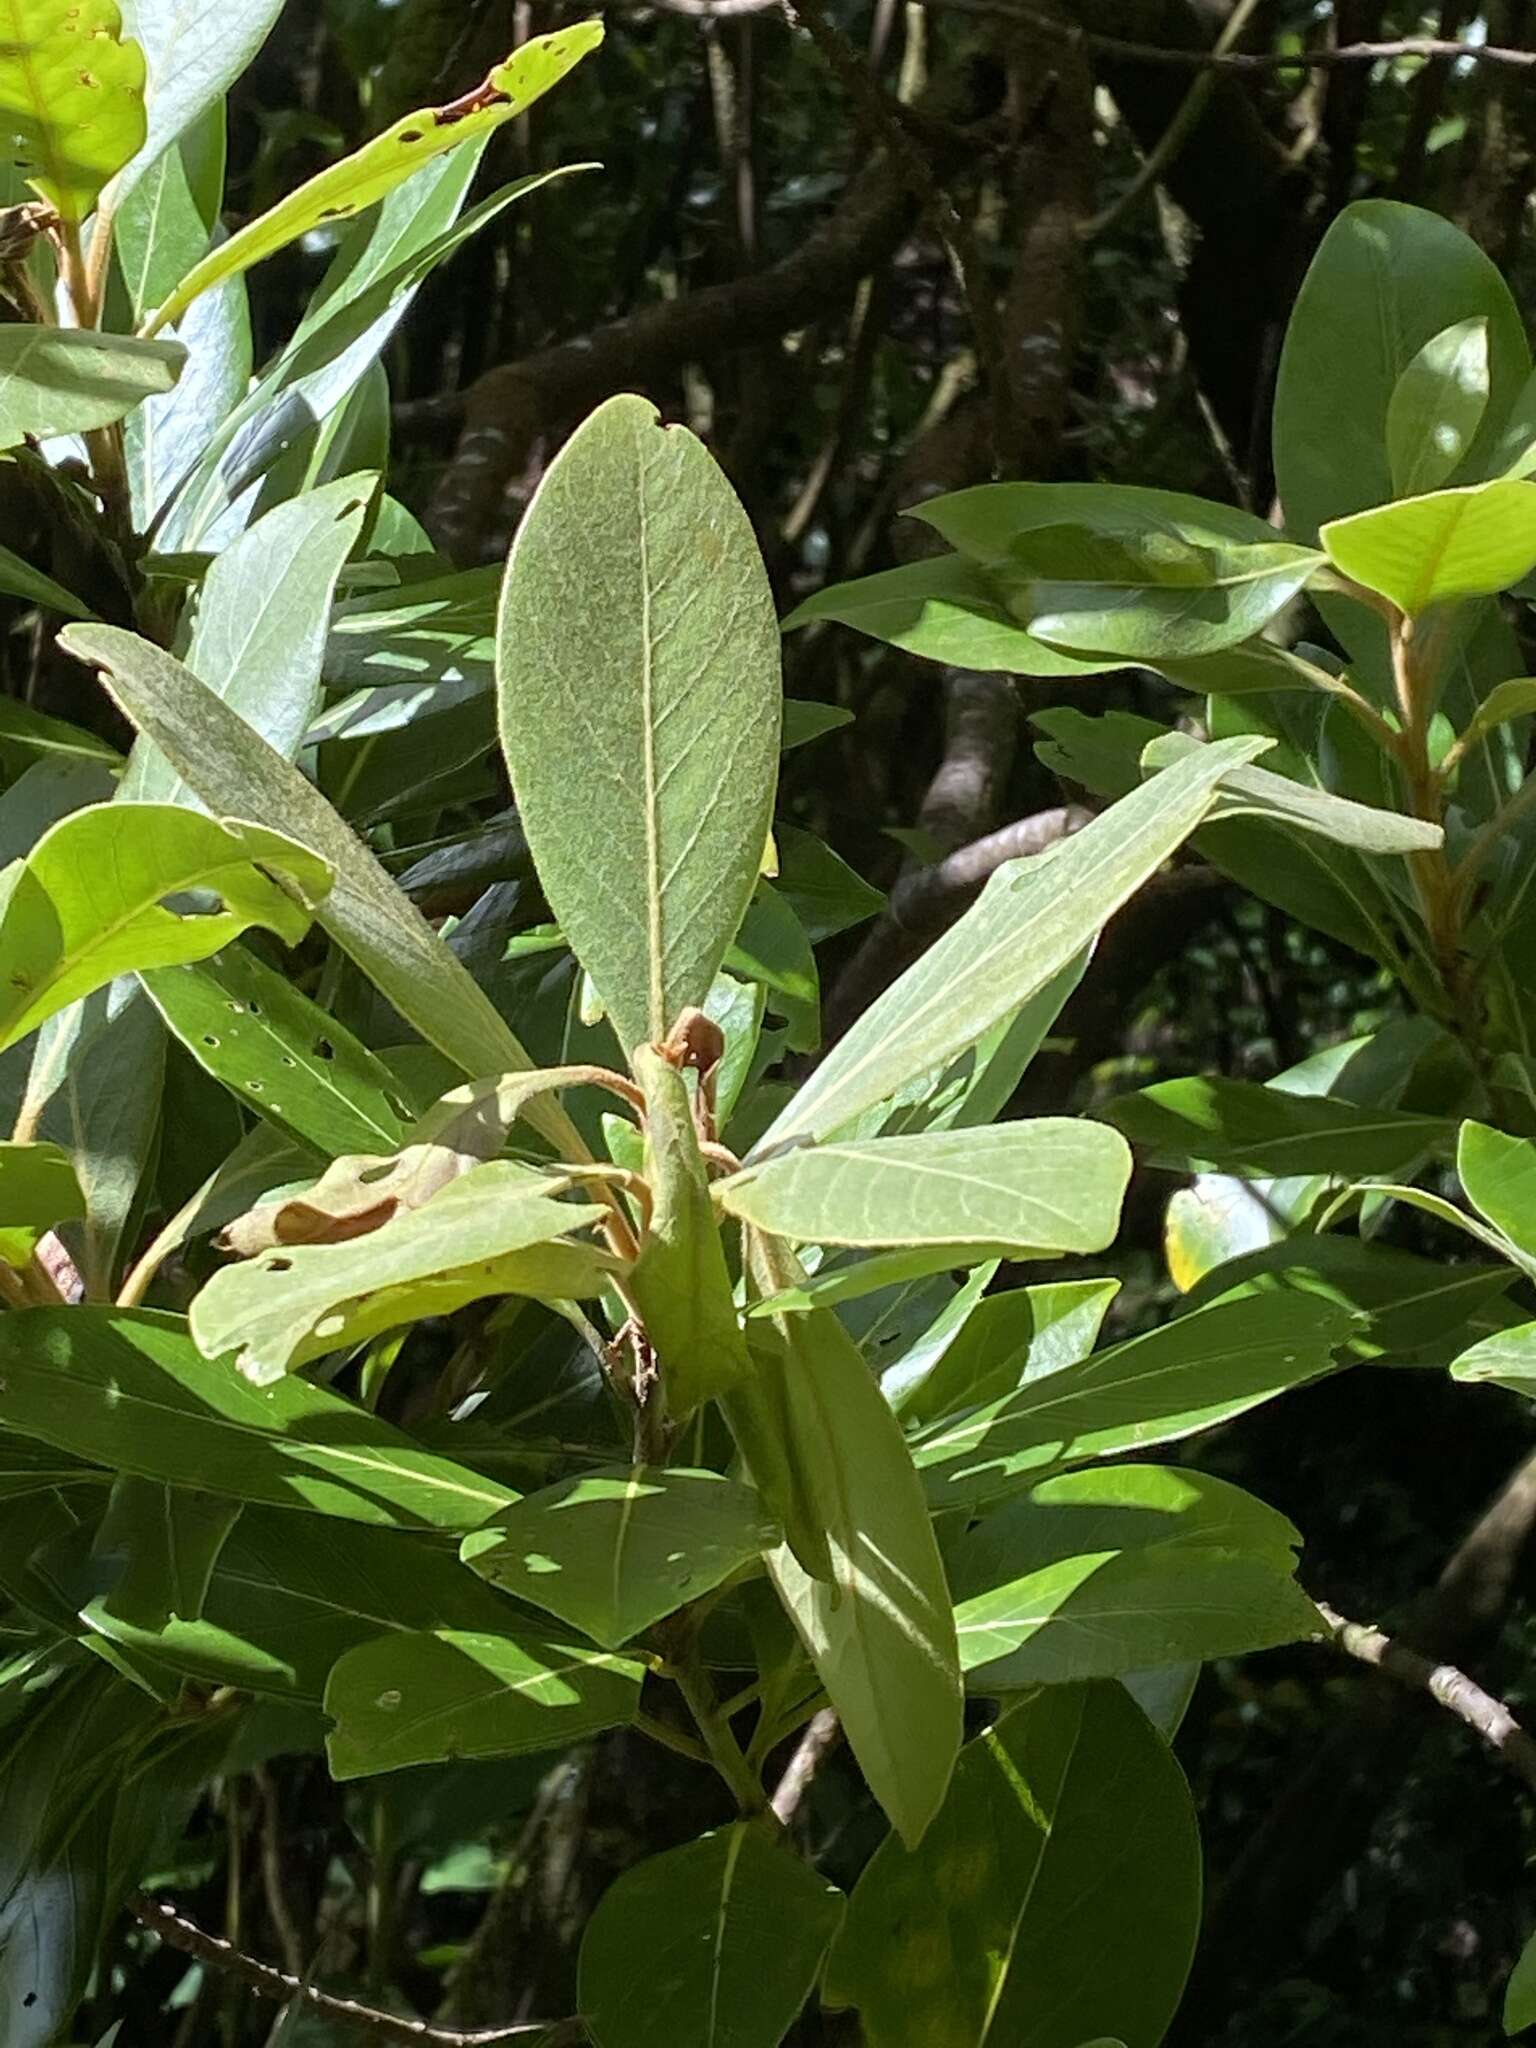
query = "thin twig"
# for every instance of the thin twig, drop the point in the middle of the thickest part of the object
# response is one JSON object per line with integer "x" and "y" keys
{"x": 1458, "y": 1694}
{"x": 819, "y": 1739}
{"x": 178, "y": 1932}
{"x": 1173, "y": 138}
{"x": 1429, "y": 49}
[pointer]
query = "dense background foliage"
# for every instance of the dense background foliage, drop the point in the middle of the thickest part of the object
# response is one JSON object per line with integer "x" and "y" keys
{"x": 859, "y": 307}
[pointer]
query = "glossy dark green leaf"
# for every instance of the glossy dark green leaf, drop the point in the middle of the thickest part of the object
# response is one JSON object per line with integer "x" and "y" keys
{"x": 127, "y": 1389}
{"x": 1386, "y": 280}
{"x": 161, "y": 1543}
{"x": 946, "y": 609}
{"x": 431, "y": 1695}
{"x": 1057, "y": 1895}
{"x": 1002, "y": 1343}
{"x": 639, "y": 683}
{"x": 1097, "y": 1574}
{"x": 1240, "y": 1127}
{"x": 1200, "y": 1369}
{"x": 613, "y": 1551}
{"x": 733, "y": 1928}
{"x": 1149, "y": 595}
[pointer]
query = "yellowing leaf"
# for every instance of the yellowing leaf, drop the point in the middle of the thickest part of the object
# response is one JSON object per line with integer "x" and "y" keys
{"x": 344, "y": 189}
{"x": 1423, "y": 551}
{"x": 71, "y": 96}
{"x": 90, "y": 901}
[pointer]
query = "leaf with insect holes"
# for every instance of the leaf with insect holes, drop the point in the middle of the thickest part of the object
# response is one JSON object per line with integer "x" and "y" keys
{"x": 71, "y": 97}
{"x": 436, "y": 1694}
{"x": 501, "y": 1229}
{"x": 639, "y": 676}
{"x": 361, "y": 1192}
{"x": 279, "y": 1053}
{"x": 90, "y": 900}
{"x": 362, "y": 179}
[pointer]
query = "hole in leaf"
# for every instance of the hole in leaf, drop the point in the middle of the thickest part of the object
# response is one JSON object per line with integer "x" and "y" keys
{"x": 382, "y": 1171}
{"x": 288, "y": 1060}
{"x": 324, "y": 1049}
{"x": 209, "y": 1039}
{"x": 254, "y": 1086}
{"x": 279, "y": 1265}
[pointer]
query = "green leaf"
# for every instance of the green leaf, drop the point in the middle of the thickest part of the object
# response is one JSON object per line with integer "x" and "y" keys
{"x": 279, "y": 1053}
{"x": 1003, "y": 1343}
{"x": 499, "y": 1229}
{"x": 20, "y": 579}
{"x": 128, "y": 1390}
{"x": 773, "y": 948}
{"x": 89, "y": 903}
{"x": 825, "y": 894}
{"x": 988, "y": 520}
{"x": 233, "y": 768}
{"x": 261, "y": 626}
{"x": 805, "y": 720}
{"x": 28, "y": 736}
{"x": 1051, "y": 1185}
{"x": 1031, "y": 921}
{"x": 1512, "y": 699}
{"x": 1098, "y": 1574}
{"x": 166, "y": 1541}
{"x": 680, "y": 1281}
{"x": 68, "y": 380}
{"x": 638, "y": 667}
{"x": 878, "y": 1626}
{"x": 612, "y": 1551}
{"x": 1200, "y": 1369}
{"x": 195, "y": 54}
{"x": 851, "y": 1280}
{"x": 167, "y": 211}
{"x": 71, "y": 96}
{"x": 1507, "y": 1359}
{"x": 1241, "y": 1127}
{"x": 1057, "y": 1895}
{"x": 949, "y": 610}
{"x": 1499, "y": 1175}
{"x": 1258, "y": 793}
{"x": 1150, "y": 595}
{"x": 285, "y": 1600}
{"x": 423, "y": 1697}
{"x": 1386, "y": 280}
{"x": 1437, "y": 406}
{"x": 370, "y": 173}
{"x": 38, "y": 1188}
{"x": 733, "y": 1928}
{"x": 1408, "y": 1309}
{"x": 1520, "y": 1992}
{"x": 1472, "y": 542}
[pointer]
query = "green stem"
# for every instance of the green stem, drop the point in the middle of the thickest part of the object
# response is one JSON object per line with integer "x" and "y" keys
{"x": 686, "y": 1670}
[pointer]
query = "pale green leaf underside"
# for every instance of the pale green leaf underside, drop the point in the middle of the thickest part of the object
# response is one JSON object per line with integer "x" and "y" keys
{"x": 1054, "y": 1184}
{"x": 68, "y": 380}
{"x": 1031, "y": 920}
{"x": 639, "y": 682}
{"x": 493, "y": 1231}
